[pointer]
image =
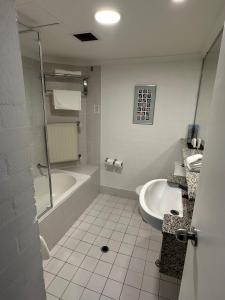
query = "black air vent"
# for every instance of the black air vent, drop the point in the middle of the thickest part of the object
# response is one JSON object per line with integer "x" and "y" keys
{"x": 86, "y": 37}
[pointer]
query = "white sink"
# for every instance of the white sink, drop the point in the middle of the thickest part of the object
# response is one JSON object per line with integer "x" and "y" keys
{"x": 157, "y": 198}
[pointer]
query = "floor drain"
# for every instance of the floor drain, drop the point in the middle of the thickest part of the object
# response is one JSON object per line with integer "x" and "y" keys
{"x": 105, "y": 249}
{"x": 174, "y": 212}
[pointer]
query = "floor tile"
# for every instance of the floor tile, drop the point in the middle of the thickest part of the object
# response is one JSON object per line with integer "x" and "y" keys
{"x": 114, "y": 218}
{"x": 110, "y": 225}
{"x": 67, "y": 272}
{"x": 96, "y": 283}
{"x": 150, "y": 284}
{"x": 109, "y": 256}
{"x": 89, "y": 238}
{"x": 89, "y": 263}
{"x": 114, "y": 245}
{"x": 90, "y": 295}
{"x": 112, "y": 289}
{"x": 95, "y": 251}
{"x": 140, "y": 252}
{"x": 129, "y": 239}
{"x": 122, "y": 260}
{"x": 126, "y": 249}
{"x": 105, "y": 298}
{"x": 117, "y": 236}
{"x": 152, "y": 256}
{"x": 124, "y": 220}
{"x": 63, "y": 253}
{"x": 142, "y": 242}
{"x": 121, "y": 228}
{"x": 132, "y": 230}
{"x": 168, "y": 290}
{"x": 129, "y": 293}
{"x": 118, "y": 274}
{"x": 134, "y": 279}
{"x": 89, "y": 219}
{"x": 83, "y": 247}
{"x": 137, "y": 265}
{"x": 103, "y": 268}
{"x": 101, "y": 241}
{"x": 71, "y": 243}
{"x": 94, "y": 229}
{"x": 147, "y": 296}
{"x": 73, "y": 292}
{"x": 57, "y": 286}
{"x": 84, "y": 226}
{"x": 54, "y": 266}
{"x": 151, "y": 270}
{"x": 48, "y": 278}
{"x": 82, "y": 277}
{"x": 51, "y": 297}
{"x": 78, "y": 234}
{"x": 76, "y": 258}
{"x": 106, "y": 233}
{"x": 155, "y": 246}
{"x": 99, "y": 222}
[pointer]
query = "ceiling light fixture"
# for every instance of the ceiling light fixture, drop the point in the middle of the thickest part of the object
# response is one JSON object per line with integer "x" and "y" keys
{"x": 178, "y": 1}
{"x": 107, "y": 17}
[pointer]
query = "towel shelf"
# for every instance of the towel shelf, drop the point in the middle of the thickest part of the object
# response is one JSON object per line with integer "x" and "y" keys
{"x": 60, "y": 76}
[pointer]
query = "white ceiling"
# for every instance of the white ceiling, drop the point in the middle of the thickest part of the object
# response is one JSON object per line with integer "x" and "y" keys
{"x": 147, "y": 27}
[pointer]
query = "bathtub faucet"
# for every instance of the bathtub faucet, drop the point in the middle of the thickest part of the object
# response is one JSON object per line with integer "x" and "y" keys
{"x": 40, "y": 168}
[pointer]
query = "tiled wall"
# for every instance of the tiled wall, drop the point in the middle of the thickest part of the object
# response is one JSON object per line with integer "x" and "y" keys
{"x": 34, "y": 101}
{"x": 21, "y": 276}
{"x": 94, "y": 116}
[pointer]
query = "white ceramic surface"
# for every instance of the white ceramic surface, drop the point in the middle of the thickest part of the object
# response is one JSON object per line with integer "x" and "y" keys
{"x": 64, "y": 184}
{"x": 158, "y": 198}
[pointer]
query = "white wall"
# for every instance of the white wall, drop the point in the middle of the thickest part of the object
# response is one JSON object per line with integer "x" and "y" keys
{"x": 148, "y": 151}
{"x": 21, "y": 275}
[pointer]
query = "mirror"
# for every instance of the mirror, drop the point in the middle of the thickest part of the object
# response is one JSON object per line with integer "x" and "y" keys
{"x": 207, "y": 81}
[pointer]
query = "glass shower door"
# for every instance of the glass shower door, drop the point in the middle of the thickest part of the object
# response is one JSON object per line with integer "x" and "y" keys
{"x": 32, "y": 62}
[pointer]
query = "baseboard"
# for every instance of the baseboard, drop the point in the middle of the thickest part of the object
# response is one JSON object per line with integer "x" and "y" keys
{"x": 118, "y": 192}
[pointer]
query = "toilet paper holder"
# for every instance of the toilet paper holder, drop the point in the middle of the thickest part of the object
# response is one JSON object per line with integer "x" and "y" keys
{"x": 109, "y": 162}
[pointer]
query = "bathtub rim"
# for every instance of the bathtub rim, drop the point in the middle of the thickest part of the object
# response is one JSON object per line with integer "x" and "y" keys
{"x": 65, "y": 196}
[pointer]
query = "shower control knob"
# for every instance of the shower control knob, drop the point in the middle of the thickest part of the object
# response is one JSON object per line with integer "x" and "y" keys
{"x": 183, "y": 235}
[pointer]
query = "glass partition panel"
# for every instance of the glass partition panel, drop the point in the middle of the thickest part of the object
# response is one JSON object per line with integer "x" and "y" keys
{"x": 31, "y": 60}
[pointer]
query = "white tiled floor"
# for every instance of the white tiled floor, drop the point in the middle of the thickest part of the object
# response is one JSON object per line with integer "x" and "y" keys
{"x": 78, "y": 270}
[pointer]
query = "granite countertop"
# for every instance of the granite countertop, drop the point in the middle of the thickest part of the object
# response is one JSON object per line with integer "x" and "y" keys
{"x": 172, "y": 223}
{"x": 191, "y": 177}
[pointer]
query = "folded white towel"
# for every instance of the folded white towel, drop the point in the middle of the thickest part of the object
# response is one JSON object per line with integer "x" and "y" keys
{"x": 194, "y": 162}
{"x": 67, "y": 100}
{"x": 61, "y": 71}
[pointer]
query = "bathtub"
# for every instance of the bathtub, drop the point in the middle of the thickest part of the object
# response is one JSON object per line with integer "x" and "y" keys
{"x": 72, "y": 193}
{"x": 64, "y": 184}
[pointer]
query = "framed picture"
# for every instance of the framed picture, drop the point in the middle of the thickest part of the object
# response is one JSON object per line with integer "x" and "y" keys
{"x": 144, "y": 97}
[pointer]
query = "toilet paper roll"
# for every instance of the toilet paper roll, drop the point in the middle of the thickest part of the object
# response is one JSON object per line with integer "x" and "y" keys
{"x": 109, "y": 162}
{"x": 118, "y": 164}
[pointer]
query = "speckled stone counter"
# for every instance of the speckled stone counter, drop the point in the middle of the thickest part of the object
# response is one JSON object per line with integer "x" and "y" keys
{"x": 191, "y": 177}
{"x": 173, "y": 252}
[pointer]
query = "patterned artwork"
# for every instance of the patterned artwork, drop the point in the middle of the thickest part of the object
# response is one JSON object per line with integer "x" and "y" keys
{"x": 144, "y": 103}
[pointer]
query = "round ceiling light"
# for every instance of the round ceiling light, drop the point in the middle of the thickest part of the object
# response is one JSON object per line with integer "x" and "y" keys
{"x": 107, "y": 17}
{"x": 178, "y": 1}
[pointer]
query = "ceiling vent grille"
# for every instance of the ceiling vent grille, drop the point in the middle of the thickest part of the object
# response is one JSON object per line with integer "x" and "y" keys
{"x": 86, "y": 37}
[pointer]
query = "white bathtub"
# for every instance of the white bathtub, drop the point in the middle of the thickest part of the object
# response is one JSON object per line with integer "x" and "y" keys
{"x": 64, "y": 184}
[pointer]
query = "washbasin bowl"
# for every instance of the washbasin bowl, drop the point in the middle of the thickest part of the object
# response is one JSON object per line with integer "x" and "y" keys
{"x": 158, "y": 198}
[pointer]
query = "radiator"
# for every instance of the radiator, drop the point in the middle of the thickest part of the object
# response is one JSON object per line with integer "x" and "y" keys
{"x": 62, "y": 142}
